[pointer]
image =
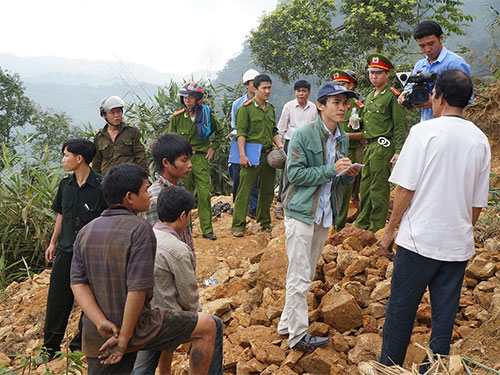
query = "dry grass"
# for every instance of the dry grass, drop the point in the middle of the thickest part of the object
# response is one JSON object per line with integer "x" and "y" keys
{"x": 438, "y": 365}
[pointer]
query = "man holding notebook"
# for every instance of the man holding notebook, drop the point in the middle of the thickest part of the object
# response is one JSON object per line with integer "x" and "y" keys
{"x": 256, "y": 124}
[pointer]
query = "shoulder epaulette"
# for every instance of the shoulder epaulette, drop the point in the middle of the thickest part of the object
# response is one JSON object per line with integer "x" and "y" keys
{"x": 359, "y": 104}
{"x": 179, "y": 111}
{"x": 247, "y": 102}
{"x": 271, "y": 104}
{"x": 395, "y": 92}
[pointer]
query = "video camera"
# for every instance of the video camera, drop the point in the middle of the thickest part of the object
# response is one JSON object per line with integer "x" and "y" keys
{"x": 418, "y": 94}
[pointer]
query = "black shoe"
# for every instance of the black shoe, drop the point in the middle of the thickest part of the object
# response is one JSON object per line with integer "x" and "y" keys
{"x": 309, "y": 343}
{"x": 252, "y": 215}
{"x": 210, "y": 236}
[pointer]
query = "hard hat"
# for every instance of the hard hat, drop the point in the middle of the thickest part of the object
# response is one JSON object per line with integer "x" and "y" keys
{"x": 276, "y": 159}
{"x": 110, "y": 102}
{"x": 249, "y": 75}
{"x": 192, "y": 88}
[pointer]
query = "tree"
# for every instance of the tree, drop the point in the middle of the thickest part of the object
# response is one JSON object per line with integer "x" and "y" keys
{"x": 52, "y": 129}
{"x": 308, "y": 36}
{"x": 297, "y": 38}
{"x": 15, "y": 108}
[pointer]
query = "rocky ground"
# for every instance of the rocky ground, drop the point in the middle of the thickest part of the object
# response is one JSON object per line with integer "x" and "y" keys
{"x": 346, "y": 301}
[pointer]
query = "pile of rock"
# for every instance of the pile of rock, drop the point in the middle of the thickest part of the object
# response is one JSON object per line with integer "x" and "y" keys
{"x": 346, "y": 302}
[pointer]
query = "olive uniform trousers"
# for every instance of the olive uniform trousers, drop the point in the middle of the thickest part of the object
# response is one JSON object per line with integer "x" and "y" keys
{"x": 248, "y": 176}
{"x": 199, "y": 180}
{"x": 374, "y": 189}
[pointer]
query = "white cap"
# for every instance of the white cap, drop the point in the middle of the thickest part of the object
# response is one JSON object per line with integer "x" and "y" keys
{"x": 249, "y": 75}
{"x": 110, "y": 102}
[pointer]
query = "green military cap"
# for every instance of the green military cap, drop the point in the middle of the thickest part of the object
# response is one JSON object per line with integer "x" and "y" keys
{"x": 343, "y": 76}
{"x": 378, "y": 62}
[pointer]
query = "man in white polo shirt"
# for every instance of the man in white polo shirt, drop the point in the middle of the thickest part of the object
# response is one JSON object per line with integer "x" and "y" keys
{"x": 442, "y": 178}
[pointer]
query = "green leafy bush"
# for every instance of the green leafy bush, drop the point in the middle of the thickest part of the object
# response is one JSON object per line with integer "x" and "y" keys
{"x": 29, "y": 184}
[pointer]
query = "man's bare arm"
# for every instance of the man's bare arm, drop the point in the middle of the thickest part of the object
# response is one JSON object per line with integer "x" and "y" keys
{"x": 476, "y": 211}
{"x": 115, "y": 347}
{"x": 402, "y": 199}
{"x": 49, "y": 253}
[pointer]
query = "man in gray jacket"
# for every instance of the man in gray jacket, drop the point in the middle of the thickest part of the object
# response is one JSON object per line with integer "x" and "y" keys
{"x": 316, "y": 168}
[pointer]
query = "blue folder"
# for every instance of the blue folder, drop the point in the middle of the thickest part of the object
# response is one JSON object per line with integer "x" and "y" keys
{"x": 252, "y": 150}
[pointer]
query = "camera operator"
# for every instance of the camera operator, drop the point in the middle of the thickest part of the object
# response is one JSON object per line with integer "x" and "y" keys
{"x": 429, "y": 37}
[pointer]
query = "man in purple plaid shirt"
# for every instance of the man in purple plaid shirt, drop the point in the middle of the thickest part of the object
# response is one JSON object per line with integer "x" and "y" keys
{"x": 172, "y": 157}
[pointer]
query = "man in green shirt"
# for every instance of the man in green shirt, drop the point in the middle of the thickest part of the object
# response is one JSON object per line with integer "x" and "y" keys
{"x": 196, "y": 122}
{"x": 117, "y": 143}
{"x": 256, "y": 123}
{"x": 385, "y": 133}
{"x": 79, "y": 200}
{"x": 353, "y": 129}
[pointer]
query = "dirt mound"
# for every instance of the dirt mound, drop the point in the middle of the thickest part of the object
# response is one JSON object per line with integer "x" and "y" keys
{"x": 346, "y": 303}
{"x": 485, "y": 111}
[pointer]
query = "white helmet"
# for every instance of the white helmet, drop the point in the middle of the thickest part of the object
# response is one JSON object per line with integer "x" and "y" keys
{"x": 249, "y": 75}
{"x": 110, "y": 102}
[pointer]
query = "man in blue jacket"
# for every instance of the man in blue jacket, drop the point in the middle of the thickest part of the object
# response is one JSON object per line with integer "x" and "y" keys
{"x": 312, "y": 195}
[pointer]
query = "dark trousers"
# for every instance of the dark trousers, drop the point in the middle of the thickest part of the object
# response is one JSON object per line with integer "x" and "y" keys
{"x": 287, "y": 141}
{"x": 234, "y": 174}
{"x": 412, "y": 274}
{"x": 59, "y": 305}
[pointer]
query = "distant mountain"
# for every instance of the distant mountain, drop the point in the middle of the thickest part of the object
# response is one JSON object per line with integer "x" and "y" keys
{"x": 77, "y": 86}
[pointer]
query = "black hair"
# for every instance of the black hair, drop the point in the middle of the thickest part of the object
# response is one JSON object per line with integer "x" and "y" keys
{"x": 80, "y": 146}
{"x": 120, "y": 180}
{"x": 302, "y": 84}
{"x": 169, "y": 146}
{"x": 172, "y": 202}
{"x": 456, "y": 87}
{"x": 261, "y": 78}
{"x": 426, "y": 28}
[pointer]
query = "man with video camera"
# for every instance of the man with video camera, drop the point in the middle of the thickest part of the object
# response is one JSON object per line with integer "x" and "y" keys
{"x": 429, "y": 37}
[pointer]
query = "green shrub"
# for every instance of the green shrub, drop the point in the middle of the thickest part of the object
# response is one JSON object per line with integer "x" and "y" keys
{"x": 29, "y": 184}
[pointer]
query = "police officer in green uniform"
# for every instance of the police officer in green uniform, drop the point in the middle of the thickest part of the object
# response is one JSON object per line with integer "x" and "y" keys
{"x": 256, "y": 123}
{"x": 385, "y": 133}
{"x": 353, "y": 129}
{"x": 117, "y": 143}
{"x": 196, "y": 122}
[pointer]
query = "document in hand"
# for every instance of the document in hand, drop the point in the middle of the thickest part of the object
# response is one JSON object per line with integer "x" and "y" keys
{"x": 351, "y": 167}
{"x": 252, "y": 150}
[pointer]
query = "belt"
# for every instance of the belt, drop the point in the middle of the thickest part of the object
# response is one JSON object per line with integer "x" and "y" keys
{"x": 382, "y": 141}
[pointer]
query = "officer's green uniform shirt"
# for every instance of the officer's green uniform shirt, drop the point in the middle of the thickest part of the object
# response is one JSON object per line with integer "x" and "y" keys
{"x": 78, "y": 206}
{"x": 263, "y": 123}
{"x": 182, "y": 124}
{"x": 384, "y": 117}
{"x": 353, "y": 103}
{"x": 126, "y": 148}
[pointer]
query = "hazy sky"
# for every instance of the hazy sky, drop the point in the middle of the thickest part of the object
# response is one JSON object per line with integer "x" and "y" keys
{"x": 170, "y": 36}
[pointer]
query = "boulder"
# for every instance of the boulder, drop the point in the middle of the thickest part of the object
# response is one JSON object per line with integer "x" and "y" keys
{"x": 340, "y": 310}
{"x": 266, "y": 352}
{"x": 365, "y": 237}
{"x": 367, "y": 347}
{"x": 320, "y": 361}
{"x": 381, "y": 291}
{"x": 352, "y": 243}
{"x": 357, "y": 266}
{"x": 218, "y": 307}
{"x": 480, "y": 268}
